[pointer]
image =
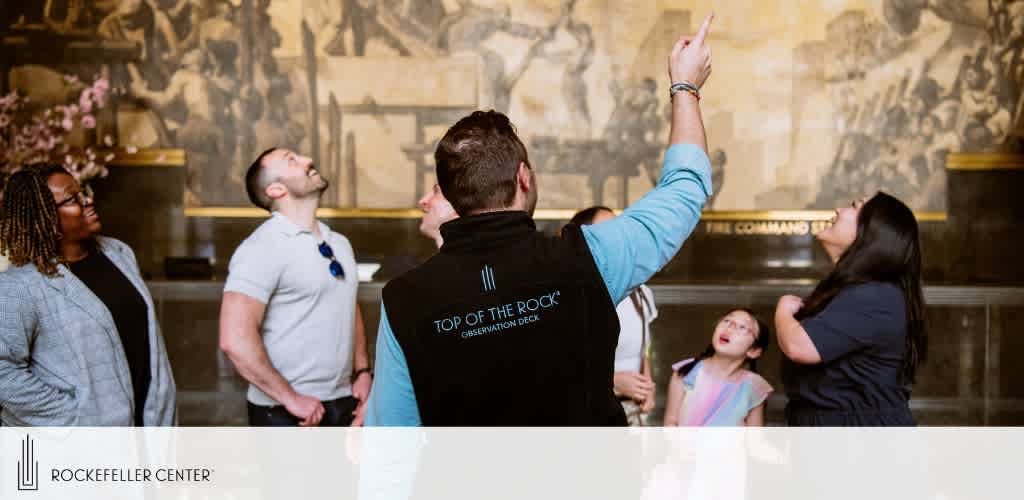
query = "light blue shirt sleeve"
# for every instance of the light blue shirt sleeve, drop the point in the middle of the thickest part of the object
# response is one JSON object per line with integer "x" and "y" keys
{"x": 392, "y": 400}
{"x": 630, "y": 248}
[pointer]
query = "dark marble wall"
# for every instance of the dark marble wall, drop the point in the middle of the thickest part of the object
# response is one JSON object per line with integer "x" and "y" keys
{"x": 982, "y": 243}
{"x": 144, "y": 207}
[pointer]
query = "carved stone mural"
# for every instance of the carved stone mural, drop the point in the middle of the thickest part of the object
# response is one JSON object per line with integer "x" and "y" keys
{"x": 810, "y": 104}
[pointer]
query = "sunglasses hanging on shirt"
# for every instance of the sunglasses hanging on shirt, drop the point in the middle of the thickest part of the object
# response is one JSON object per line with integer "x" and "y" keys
{"x": 335, "y": 267}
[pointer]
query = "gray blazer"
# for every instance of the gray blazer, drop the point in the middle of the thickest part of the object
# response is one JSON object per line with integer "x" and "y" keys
{"x": 61, "y": 359}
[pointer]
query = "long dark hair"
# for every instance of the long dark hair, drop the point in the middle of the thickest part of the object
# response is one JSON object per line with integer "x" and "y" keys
{"x": 887, "y": 249}
{"x": 762, "y": 340}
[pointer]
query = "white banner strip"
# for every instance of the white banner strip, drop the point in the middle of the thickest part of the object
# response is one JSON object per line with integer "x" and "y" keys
{"x": 447, "y": 464}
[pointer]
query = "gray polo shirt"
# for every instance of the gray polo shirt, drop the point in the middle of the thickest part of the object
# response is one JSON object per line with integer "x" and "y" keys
{"x": 309, "y": 322}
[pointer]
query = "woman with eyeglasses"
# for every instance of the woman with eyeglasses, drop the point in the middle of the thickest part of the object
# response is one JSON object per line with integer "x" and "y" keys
{"x": 79, "y": 339}
{"x": 854, "y": 345}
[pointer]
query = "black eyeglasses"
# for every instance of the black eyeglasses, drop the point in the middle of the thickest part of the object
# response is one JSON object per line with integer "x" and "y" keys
{"x": 82, "y": 198}
{"x": 336, "y": 270}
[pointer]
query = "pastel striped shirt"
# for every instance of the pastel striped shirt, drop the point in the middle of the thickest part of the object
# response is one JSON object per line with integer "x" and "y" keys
{"x": 710, "y": 401}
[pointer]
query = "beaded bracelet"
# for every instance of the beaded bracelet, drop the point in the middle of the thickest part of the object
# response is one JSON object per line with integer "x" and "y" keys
{"x": 687, "y": 86}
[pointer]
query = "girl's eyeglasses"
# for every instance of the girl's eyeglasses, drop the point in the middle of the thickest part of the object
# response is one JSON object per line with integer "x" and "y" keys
{"x": 82, "y": 198}
{"x": 335, "y": 267}
{"x": 743, "y": 328}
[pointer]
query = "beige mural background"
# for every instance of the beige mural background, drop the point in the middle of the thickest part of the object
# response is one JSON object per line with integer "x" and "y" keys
{"x": 810, "y": 103}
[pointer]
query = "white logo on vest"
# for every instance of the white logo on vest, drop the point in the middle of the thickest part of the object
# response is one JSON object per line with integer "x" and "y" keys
{"x": 487, "y": 277}
{"x": 500, "y": 317}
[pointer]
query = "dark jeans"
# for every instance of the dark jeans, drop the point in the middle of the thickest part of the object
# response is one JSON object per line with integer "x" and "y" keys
{"x": 337, "y": 413}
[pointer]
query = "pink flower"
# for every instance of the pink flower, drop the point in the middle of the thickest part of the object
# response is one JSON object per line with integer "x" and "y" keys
{"x": 44, "y": 144}
{"x": 85, "y": 100}
{"x": 99, "y": 91}
{"x": 42, "y": 136}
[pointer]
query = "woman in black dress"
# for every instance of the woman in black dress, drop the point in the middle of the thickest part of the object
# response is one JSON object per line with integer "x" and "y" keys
{"x": 852, "y": 348}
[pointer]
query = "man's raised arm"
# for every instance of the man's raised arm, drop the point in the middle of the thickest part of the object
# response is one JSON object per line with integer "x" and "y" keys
{"x": 630, "y": 248}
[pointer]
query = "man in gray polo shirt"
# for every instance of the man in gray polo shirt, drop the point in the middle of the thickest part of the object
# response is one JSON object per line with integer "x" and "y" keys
{"x": 289, "y": 320}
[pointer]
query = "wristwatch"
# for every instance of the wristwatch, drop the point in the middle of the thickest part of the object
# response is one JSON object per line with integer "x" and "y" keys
{"x": 357, "y": 373}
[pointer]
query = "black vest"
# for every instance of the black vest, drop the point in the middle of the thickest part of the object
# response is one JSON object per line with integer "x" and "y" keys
{"x": 507, "y": 327}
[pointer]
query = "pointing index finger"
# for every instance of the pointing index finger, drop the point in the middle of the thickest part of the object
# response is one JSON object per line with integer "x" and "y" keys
{"x": 704, "y": 28}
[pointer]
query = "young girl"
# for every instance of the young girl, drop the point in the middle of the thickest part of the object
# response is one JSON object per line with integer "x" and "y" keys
{"x": 721, "y": 387}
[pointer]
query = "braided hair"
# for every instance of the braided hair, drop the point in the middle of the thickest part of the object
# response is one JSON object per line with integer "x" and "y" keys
{"x": 29, "y": 228}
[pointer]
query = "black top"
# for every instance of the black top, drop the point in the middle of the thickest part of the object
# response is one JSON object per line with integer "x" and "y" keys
{"x": 507, "y": 327}
{"x": 860, "y": 336}
{"x": 131, "y": 317}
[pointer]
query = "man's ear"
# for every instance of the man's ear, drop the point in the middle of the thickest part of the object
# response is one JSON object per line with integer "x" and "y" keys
{"x": 275, "y": 190}
{"x": 523, "y": 177}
